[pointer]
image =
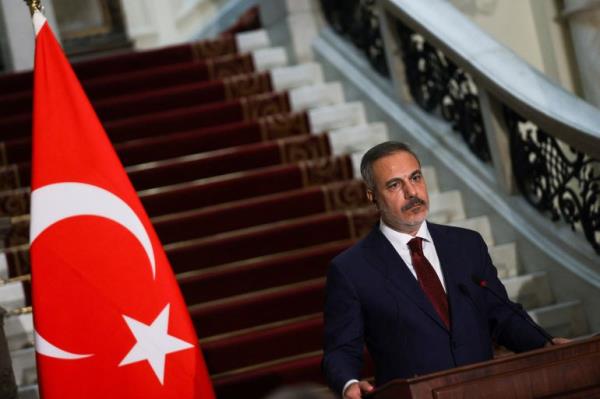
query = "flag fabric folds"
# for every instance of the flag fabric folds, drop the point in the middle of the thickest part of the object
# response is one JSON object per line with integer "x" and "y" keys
{"x": 110, "y": 321}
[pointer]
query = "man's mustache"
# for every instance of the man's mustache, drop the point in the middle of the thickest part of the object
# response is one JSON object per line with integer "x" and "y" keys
{"x": 412, "y": 202}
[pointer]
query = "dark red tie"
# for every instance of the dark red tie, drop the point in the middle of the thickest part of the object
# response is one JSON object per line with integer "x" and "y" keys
{"x": 428, "y": 279}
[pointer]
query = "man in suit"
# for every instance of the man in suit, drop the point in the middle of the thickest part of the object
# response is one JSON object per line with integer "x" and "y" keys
{"x": 406, "y": 290}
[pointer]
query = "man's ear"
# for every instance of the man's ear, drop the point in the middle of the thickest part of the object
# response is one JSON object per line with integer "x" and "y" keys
{"x": 371, "y": 197}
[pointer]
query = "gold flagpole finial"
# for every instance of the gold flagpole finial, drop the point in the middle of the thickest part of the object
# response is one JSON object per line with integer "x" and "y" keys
{"x": 34, "y": 5}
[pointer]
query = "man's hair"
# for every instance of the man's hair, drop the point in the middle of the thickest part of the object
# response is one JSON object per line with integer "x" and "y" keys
{"x": 379, "y": 151}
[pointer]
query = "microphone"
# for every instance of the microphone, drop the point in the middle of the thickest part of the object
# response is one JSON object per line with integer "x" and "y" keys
{"x": 518, "y": 311}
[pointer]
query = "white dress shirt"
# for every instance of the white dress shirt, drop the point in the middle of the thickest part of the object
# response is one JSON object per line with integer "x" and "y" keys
{"x": 400, "y": 243}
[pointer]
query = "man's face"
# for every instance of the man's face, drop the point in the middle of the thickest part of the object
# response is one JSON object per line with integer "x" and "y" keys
{"x": 400, "y": 192}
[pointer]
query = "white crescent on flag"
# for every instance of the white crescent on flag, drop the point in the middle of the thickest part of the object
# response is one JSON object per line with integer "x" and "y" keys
{"x": 55, "y": 202}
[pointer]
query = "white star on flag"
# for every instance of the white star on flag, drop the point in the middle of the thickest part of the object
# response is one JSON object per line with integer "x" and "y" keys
{"x": 153, "y": 343}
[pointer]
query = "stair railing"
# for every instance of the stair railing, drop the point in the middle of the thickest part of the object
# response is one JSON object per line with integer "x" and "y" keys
{"x": 542, "y": 141}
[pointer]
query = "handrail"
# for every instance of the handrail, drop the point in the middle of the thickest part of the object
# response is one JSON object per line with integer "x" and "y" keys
{"x": 541, "y": 140}
{"x": 495, "y": 67}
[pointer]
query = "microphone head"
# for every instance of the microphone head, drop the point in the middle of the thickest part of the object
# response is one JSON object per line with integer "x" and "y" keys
{"x": 479, "y": 281}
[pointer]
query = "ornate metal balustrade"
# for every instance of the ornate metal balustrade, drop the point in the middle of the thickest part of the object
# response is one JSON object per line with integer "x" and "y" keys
{"x": 554, "y": 177}
{"x": 436, "y": 84}
{"x": 358, "y": 20}
{"x": 551, "y": 139}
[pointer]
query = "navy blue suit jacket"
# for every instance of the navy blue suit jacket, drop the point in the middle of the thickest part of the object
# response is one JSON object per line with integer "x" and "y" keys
{"x": 372, "y": 298}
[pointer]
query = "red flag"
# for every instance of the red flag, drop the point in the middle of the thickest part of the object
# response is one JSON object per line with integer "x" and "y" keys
{"x": 109, "y": 317}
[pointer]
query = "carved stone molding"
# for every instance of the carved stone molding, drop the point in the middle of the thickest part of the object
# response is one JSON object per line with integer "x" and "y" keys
{"x": 247, "y": 85}
{"x": 283, "y": 125}
{"x": 262, "y": 105}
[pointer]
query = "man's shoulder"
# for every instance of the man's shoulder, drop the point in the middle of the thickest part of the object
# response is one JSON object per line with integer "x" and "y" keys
{"x": 356, "y": 253}
{"x": 456, "y": 232}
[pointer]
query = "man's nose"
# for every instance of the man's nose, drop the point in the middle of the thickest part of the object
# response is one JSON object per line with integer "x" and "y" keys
{"x": 409, "y": 190}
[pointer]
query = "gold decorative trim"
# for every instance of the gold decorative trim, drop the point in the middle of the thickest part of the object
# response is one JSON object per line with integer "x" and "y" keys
{"x": 229, "y": 65}
{"x": 261, "y": 105}
{"x": 346, "y": 195}
{"x": 204, "y": 49}
{"x": 14, "y": 202}
{"x": 246, "y": 85}
{"x": 283, "y": 125}
{"x": 19, "y": 311}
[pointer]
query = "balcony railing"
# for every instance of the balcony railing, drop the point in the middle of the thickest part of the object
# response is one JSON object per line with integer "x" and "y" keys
{"x": 542, "y": 141}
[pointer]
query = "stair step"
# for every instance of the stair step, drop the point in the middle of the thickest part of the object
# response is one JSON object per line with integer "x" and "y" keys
{"x": 230, "y": 160}
{"x": 262, "y": 240}
{"x": 237, "y": 186}
{"x": 258, "y": 381}
{"x": 531, "y": 290}
{"x": 12, "y": 295}
{"x": 357, "y": 138}
{"x": 260, "y": 273}
{"x": 480, "y": 224}
{"x": 445, "y": 207}
{"x": 564, "y": 319}
{"x": 24, "y": 366}
{"x": 19, "y": 331}
{"x": 504, "y": 257}
{"x": 244, "y": 350}
{"x": 245, "y": 311}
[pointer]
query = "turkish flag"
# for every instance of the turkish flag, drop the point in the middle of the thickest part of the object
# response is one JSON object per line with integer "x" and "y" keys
{"x": 110, "y": 320}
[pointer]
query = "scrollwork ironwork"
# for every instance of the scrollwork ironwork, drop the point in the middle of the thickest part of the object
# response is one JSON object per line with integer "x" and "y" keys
{"x": 436, "y": 83}
{"x": 359, "y": 21}
{"x": 555, "y": 178}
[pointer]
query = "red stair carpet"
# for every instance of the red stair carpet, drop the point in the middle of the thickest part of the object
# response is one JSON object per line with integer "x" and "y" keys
{"x": 248, "y": 202}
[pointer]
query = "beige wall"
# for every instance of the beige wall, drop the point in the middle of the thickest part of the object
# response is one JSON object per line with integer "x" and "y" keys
{"x": 532, "y": 29}
{"x": 154, "y": 23}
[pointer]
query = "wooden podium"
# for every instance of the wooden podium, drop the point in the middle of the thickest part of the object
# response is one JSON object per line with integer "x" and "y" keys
{"x": 565, "y": 371}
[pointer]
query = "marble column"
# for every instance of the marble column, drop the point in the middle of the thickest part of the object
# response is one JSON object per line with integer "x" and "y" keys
{"x": 583, "y": 17}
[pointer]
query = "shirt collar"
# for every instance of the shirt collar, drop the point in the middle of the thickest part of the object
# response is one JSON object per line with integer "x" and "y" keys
{"x": 402, "y": 239}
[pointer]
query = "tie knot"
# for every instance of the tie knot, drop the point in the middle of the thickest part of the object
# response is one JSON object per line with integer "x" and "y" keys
{"x": 416, "y": 245}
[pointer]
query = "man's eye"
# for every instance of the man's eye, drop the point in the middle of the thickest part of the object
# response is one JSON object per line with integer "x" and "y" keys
{"x": 393, "y": 186}
{"x": 417, "y": 178}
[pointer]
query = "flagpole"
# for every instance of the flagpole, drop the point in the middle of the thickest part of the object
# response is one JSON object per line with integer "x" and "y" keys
{"x": 34, "y": 5}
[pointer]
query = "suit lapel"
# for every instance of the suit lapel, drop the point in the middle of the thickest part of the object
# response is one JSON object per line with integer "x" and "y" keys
{"x": 382, "y": 255}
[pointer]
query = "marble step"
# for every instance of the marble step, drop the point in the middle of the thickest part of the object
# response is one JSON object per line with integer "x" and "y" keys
{"x": 504, "y": 257}
{"x": 315, "y": 96}
{"x": 446, "y": 207}
{"x": 531, "y": 290}
{"x": 19, "y": 331}
{"x": 564, "y": 319}
{"x": 480, "y": 224}
{"x": 12, "y": 295}
{"x": 252, "y": 40}
{"x": 24, "y": 366}
{"x": 265, "y": 59}
{"x": 290, "y": 77}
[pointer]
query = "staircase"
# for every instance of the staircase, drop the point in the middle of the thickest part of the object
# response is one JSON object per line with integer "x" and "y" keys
{"x": 248, "y": 170}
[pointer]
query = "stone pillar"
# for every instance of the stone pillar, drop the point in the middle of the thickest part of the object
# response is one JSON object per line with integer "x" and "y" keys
{"x": 292, "y": 21}
{"x": 583, "y": 18}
